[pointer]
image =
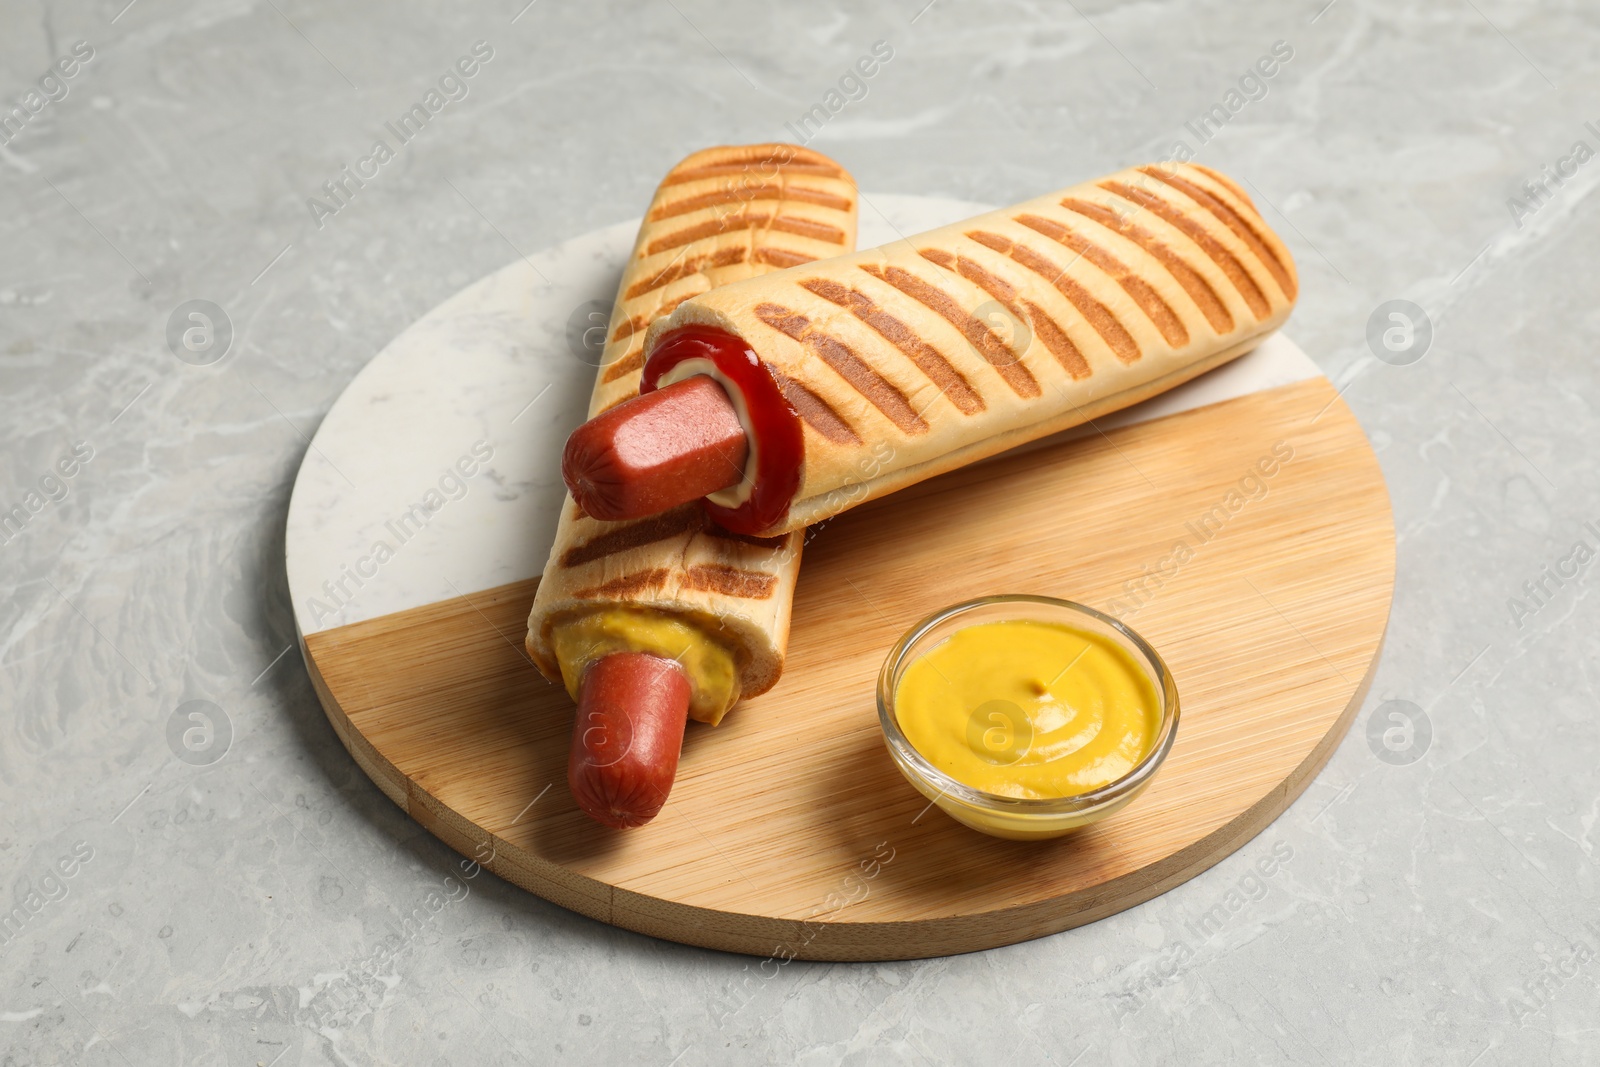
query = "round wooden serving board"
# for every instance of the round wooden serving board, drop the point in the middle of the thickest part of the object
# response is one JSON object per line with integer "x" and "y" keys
{"x": 1249, "y": 539}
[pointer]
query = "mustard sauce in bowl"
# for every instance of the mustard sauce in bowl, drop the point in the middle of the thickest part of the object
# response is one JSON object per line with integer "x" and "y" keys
{"x": 1026, "y": 708}
{"x": 1025, "y": 716}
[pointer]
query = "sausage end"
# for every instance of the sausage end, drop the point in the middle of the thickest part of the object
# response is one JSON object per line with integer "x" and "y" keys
{"x": 627, "y": 736}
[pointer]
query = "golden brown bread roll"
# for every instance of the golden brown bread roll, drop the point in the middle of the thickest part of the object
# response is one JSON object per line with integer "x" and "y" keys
{"x": 931, "y": 352}
{"x": 721, "y": 215}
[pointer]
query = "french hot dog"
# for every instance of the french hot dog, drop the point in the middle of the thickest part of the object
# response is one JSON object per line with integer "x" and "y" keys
{"x": 895, "y": 364}
{"x": 650, "y": 622}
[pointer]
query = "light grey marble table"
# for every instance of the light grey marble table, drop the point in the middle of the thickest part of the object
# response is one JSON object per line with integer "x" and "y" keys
{"x": 1432, "y": 897}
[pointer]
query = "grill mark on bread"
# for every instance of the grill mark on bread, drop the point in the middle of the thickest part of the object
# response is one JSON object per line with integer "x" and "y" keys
{"x": 818, "y": 231}
{"x": 1227, "y": 183}
{"x": 1096, "y": 314}
{"x": 682, "y": 268}
{"x": 626, "y": 585}
{"x": 927, "y": 359}
{"x": 644, "y": 532}
{"x": 742, "y": 220}
{"x": 769, "y": 543}
{"x": 1236, "y": 222}
{"x": 628, "y": 364}
{"x": 873, "y": 387}
{"x": 817, "y": 412}
{"x": 639, "y": 323}
{"x": 1193, "y": 282}
{"x": 1214, "y": 249}
{"x": 631, "y": 327}
{"x": 1007, "y": 363}
{"x": 1159, "y": 311}
{"x": 820, "y": 197}
{"x": 1057, "y": 341}
{"x": 782, "y": 257}
{"x": 1044, "y": 327}
{"x": 744, "y": 194}
{"x": 730, "y": 581}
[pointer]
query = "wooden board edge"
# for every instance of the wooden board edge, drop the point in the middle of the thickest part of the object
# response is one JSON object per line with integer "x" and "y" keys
{"x": 835, "y": 940}
{"x": 554, "y": 883}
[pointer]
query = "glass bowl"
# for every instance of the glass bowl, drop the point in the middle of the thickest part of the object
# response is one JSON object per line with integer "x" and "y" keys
{"x": 1017, "y": 817}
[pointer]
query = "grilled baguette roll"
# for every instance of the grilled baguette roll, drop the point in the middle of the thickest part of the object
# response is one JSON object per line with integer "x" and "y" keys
{"x": 721, "y": 215}
{"x": 915, "y": 358}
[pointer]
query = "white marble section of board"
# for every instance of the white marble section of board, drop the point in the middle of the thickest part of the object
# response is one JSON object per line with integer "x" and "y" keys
{"x": 435, "y": 473}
